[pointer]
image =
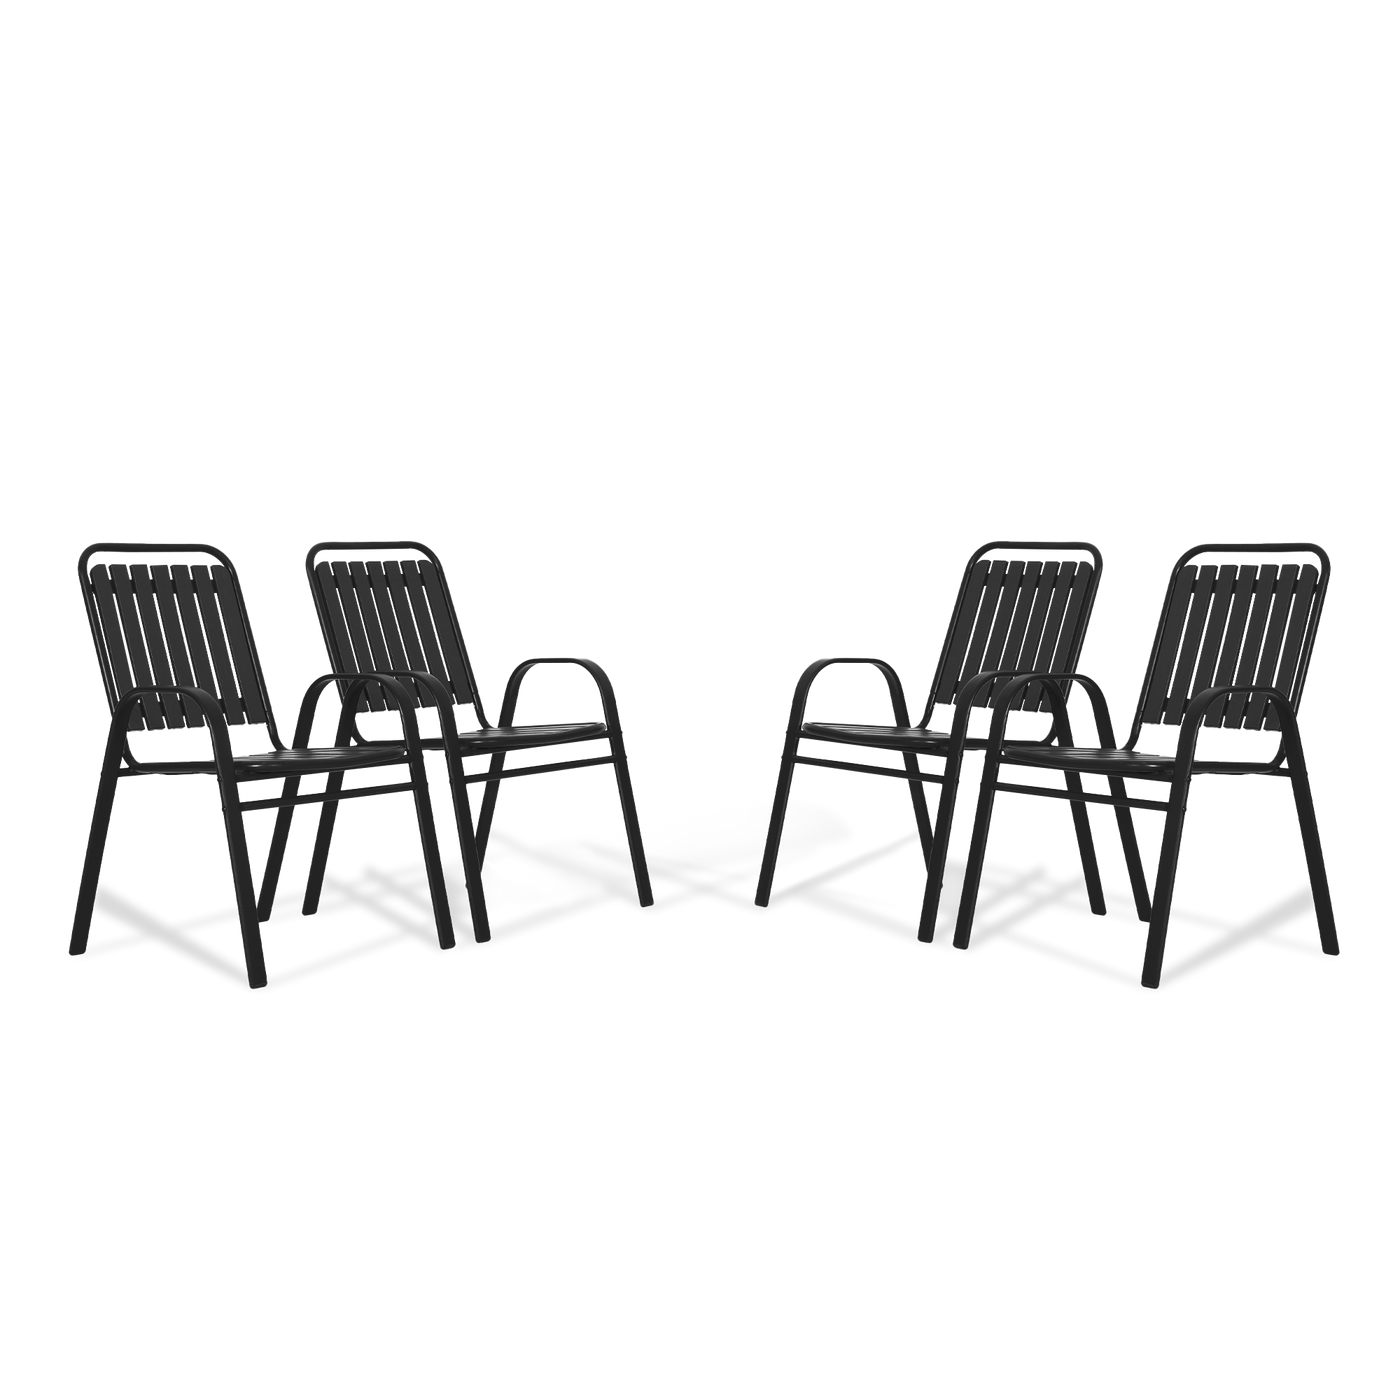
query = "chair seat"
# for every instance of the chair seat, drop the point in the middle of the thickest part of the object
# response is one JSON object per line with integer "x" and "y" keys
{"x": 292, "y": 762}
{"x": 1126, "y": 763}
{"x": 525, "y": 736}
{"x": 885, "y": 736}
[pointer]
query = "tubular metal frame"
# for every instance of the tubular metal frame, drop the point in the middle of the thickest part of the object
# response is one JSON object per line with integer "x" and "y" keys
{"x": 457, "y": 747}
{"x": 191, "y": 700}
{"x": 962, "y": 644}
{"x": 1251, "y": 706}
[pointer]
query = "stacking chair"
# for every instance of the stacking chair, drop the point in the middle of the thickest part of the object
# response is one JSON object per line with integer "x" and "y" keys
{"x": 1013, "y": 613}
{"x": 385, "y": 614}
{"x": 175, "y": 651}
{"x": 1232, "y": 649}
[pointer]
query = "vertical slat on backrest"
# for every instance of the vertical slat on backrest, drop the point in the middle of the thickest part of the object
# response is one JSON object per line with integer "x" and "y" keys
{"x": 1253, "y": 639}
{"x": 1054, "y": 626}
{"x": 388, "y": 621}
{"x": 1035, "y": 630}
{"x": 1020, "y": 618}
{"x": 240, "y": 643}
{"x": 973, "y": 662}
{"x": 1273, "y": 642}
{"x": 1202, "y": 592}
{"x": 396, "y": 590}
{"x": 447, "y": 637}
{"x": 993, "y": 657}
{"x": 164, "y": 586}
{"x": 194, "y": 632}
{"x": 379, "y": 659}
{"x": 227, "y": 687}
{"x": 135, "y": 644}
{"x": 423, "y": 616}
{"x": 1292, "y": 654}
{"x": 104, "y": 598}
{"x": 354, "y": 626}
{"x": 1242, "y": 600}
{"x": 1168, "y": 644}
{"x": 1068, "y": 619}
{"x": 145, "y": 592}
{"x": 1208, "y": 659}
{"x": 946, "y": 683}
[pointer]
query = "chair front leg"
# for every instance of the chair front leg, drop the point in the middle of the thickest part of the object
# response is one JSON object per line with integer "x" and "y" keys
{"x": 1079, "y": 811}
{"x": 488, "y": 804}
{"x": 786, "y": 776}
{"x": 977, "y": 850}
{"x": 97, "y": 839}
{"x": 1127, "y": 835}
{"x": 629, "y": 818}
{"x": 276, "y": 850}
{"x": 242, "y": 878}
{"x": 1166, "y": 877}
{"x": 1312, "y": 843}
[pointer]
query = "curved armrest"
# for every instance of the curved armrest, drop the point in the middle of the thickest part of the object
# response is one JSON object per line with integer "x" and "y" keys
{"x": 600, "y": 679}
{"x": 357, "y": 681}
{"x": 1200, "y": 704}
{"x": 1054, "y": 682}
{"x": 804, "y": 685}
{"x": 208, "y": 705}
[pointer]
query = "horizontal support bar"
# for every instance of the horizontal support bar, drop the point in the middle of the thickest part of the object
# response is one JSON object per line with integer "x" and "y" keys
{"x": 870, "y": 768}
{"x": 1084, "y": 797}
{"x": 538, "y": 768}
{"x": 343, "y": 795}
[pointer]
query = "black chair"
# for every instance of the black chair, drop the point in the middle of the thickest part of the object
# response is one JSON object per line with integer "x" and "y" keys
{"x": 1232, "y": 650}
{"x": 176, "y": 651}
{"x": 1012, "y": 615}
{"x": 385, "y": 614}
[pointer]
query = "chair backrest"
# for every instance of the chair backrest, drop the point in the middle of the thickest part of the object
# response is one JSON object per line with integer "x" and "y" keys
{"x": 381, "y": 610}
{"x": 1027, "y": 609}
{"x": 1235, "y": 623}
{"x": 161, "y": 623}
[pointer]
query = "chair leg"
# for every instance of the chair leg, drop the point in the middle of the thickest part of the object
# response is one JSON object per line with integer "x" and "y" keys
{"x": 273, "y": 869}
{"x": 243, "y": 884}
{"x": 488, "y": 805}
{"x": 437, "y": 888}
{"x": 324, "y": 830}
{"x": 1127, "y": 834}
{"x": 467, "y": 844}
{"x": 1085, "y": 837}
{"x": 938, "y": 851}
{"x": 775, "y": 822}
{"x": 92, "y": 863}
{"x": 1312, "y": 848}
{"x": 1166, "y": 883}
{"x": 629, "y": 820}
{"x": 977, "y": 850}
{"x": 916, "y": 794}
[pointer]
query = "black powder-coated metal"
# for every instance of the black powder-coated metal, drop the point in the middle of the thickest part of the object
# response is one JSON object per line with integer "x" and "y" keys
{"x": 1010, "y": 616}
{"x": 175, "y": 650}
{"x": 393, "y": 615}
{"x": 1232, "y": 650}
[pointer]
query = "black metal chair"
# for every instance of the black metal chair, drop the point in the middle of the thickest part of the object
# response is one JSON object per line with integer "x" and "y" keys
{"x": 176, "y": 651}
{"x": 387, "y": 615}
{"x": 1232, "y": 650}
{"x": 1012, "y": 615}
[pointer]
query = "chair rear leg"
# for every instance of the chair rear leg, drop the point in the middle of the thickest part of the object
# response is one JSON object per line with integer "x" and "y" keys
{"x": 243, "y": 884}
{"x": 97, "y": 841}
{"x": 977, "y": 850}
{"x": 437, "y": 888}
{"x": 1127, "y": 834}
{"x": 1312, "y": 848}
{"x": 775, "y": 822}
{"x": 324, "y": 830}
{"x": 1085, "y": 837}
{"x": 916, "y": 794}
{"x": 467, "y": 844}
{"x": 488, "y": 805}
{"x": 629, "y": 820}
{"x": 273, "y": 869}
{"x": 1166, "y": 883}
{"x": 938, "y": 852}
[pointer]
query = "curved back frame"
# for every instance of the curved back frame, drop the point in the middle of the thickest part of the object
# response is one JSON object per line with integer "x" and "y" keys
{"x": 1241, "y": 623}
{"x": 389, "y": 612}
{"x": 174, "y": 624}
{"x": 1017, "y": 614}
